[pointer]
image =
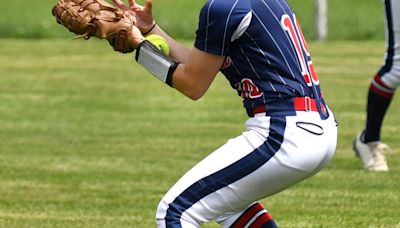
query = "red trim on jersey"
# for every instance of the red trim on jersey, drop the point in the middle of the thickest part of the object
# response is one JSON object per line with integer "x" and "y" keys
{"x": 262, "y": 219}
{"x": 247, "y": 215}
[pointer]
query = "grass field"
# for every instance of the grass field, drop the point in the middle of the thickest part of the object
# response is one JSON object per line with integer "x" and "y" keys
{"x": 89, "y": 139}
{"x": 356, "y": 19}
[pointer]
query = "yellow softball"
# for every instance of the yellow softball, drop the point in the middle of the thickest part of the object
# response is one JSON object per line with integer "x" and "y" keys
{"x": 159, "y": 42}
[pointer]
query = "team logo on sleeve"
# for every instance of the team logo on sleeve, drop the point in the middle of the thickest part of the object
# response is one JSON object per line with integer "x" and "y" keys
{"x": 247, "y": 89}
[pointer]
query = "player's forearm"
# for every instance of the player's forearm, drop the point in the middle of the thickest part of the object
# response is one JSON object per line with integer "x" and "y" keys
{"x": 178, "y": 51}
{"x": 189, "y": 83}
{"x": 190, "y": 71}
{"x": 194, "y": 77}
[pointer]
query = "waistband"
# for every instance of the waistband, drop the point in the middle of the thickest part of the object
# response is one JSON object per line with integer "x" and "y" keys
{"x": 288, "y": 107}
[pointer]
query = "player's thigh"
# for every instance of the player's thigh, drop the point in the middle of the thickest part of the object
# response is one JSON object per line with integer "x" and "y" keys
{"x": 390, "y": 71}
{"x": 308, "y": 145}
{"x": 233, "y": 177}
{"x": 210, "y": 172}
{"x": 309, "y": 141}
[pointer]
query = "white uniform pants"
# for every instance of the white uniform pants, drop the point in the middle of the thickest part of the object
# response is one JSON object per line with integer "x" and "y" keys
{"x": 390, "y": 72}
{"x": 270, "y": 156}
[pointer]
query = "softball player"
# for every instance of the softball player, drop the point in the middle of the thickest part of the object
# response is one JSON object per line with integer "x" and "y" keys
{"x": 367, "y": 144}
{"x": 290, "y": 134}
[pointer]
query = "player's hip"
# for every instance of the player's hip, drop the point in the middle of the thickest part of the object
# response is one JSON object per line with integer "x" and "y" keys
{"x": 308, "y": 121}
{"x": 271, "y": 155}
{"x": 305, "y": 140}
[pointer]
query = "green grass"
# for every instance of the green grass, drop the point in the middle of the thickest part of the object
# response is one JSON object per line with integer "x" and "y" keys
{"x": 89, "y": 139}
{"x": 355, "y": 19}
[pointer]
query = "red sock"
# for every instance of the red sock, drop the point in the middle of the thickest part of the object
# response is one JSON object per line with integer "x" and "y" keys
{"x": 255, "y": 217}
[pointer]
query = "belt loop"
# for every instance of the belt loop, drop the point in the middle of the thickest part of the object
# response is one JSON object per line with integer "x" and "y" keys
{"x": 307, "y": 105}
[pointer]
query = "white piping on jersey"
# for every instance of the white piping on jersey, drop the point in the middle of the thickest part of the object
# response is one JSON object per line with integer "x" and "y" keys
{"x": 236, "y": 69}
{"x": 287, "y": 36}
{"x": 284, "y": 10}
{"x": 272, "y": 86}
{"x": 269, "y": 63}
{"x": 254, "y": 70}
{"x": 279, "y": 3}
{"x": 266, "y": 57}
{"x": 244, "y": 24}
{"x": 277, "y": 46}
{"x": 302, "y": 90}
{"x": 226, "y": 26}
{"x": 251, "y": 65}
{"x": 283, "y": 56}
{"x": 208, "y": 22}
{"x": 287, "y": 6}
{"x": 279, "y": 22}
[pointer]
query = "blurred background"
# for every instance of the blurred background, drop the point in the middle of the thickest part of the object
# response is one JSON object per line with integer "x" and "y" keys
{"x": 89, "y": 139}
{"x": 347, "y": 20}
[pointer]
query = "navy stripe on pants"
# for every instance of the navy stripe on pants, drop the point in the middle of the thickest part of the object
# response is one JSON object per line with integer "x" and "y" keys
{"x": 228, "y": 175}
{"x": 390, "y": 39}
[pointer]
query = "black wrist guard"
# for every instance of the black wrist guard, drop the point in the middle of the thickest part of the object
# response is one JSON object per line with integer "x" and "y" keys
{"x": 155, "y": 61}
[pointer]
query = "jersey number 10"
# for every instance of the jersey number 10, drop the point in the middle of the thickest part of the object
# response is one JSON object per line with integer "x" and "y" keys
{"x": 301, "y": 48}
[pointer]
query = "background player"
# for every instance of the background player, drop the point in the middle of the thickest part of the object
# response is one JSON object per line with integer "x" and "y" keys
{"x": 291, "y": 134}
{"x": 367, "y": 143}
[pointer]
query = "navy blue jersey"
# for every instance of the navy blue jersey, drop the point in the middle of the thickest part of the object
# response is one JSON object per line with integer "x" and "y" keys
{"x": 267, "y": 58}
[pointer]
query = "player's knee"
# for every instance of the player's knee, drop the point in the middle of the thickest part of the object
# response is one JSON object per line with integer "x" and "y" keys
{"x": 390, "y": 77}
{"x": 161, "y": 213}
{"x": 384, "y": 85}
{"x": 170, "y": 214}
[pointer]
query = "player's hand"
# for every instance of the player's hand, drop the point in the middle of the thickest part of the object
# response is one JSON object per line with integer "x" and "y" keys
{"x": 124, "y": 41}
{"x": 143, "y": 15}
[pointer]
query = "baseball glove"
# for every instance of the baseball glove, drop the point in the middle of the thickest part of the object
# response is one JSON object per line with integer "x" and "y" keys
{"x": 97, "y": 18}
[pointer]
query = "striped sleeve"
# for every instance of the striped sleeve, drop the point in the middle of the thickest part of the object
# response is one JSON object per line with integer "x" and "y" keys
{"x": 219, "y": 19}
